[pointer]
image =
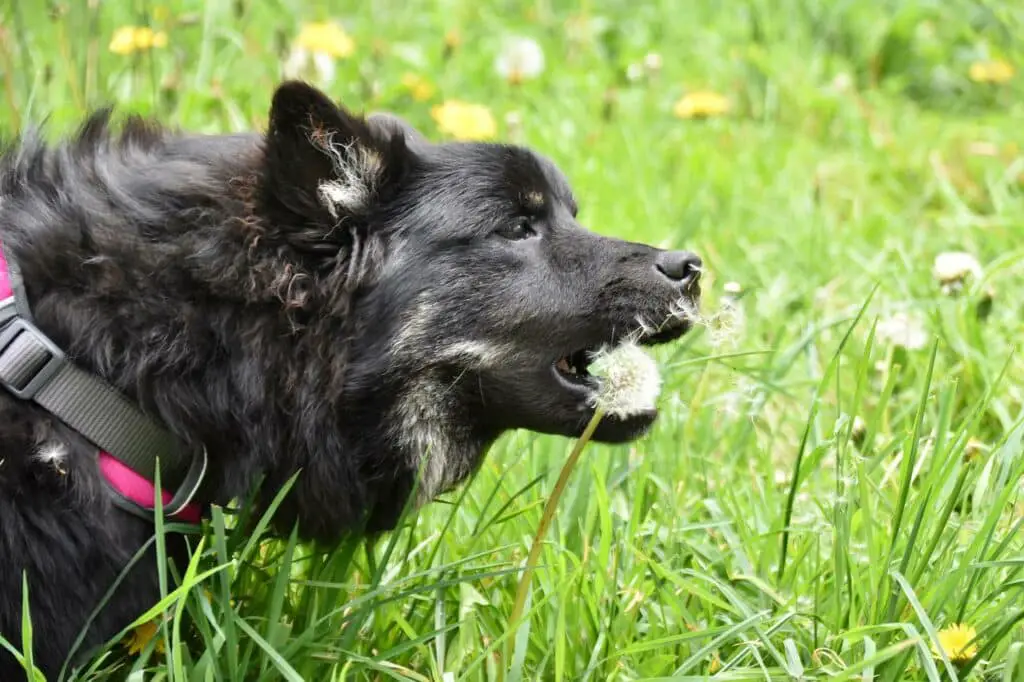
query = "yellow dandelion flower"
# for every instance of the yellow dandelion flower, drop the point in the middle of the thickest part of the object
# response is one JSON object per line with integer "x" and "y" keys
{"x": 129, "y": 39}
{"x": 123, "y": 40}
{"x": 956, "y": 642}
{"x": 327, "y": 37}
{"x": 319, "y": 45}
{"x": 139, "y": 639}
{"x": 992, "y": 71}
{"x": 701, "y": 104}
{"x": 464, "y": 121}
{"x": 419, "y": 87}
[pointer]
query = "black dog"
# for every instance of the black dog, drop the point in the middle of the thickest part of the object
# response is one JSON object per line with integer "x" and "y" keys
{"x": 338, "y": 296}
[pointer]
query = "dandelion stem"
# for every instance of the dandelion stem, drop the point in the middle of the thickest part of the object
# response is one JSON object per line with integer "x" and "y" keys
{"x": 542, "y": 527}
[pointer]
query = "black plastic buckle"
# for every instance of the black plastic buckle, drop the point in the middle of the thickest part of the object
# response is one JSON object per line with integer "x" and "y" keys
{"x": 17, "y": 328}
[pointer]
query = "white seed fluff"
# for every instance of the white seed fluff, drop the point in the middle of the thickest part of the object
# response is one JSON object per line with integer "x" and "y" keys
{"x": 520, "y": 58}
{"x": 903, "y": 329}
{"x": 630, "y": 382}
{"x": 955, "y": 266}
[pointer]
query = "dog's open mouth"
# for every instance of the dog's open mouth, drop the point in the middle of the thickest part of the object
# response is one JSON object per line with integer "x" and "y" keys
{"x": 612, "y": 373}
{"x": 574, "y": 368}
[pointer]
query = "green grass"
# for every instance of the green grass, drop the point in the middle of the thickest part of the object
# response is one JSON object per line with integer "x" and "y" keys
{"x": 815, "y": 502}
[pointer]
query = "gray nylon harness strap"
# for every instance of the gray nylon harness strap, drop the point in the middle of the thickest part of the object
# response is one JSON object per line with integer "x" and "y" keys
{"x": 33, "y": 368}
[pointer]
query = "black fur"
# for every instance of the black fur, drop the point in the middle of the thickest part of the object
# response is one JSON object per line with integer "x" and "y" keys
{"x": 284, "y": 326}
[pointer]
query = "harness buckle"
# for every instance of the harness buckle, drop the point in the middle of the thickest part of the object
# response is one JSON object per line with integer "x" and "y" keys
{"x": 28, "y": 359}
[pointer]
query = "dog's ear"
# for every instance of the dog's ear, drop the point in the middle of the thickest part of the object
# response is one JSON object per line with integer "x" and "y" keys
{"x": 323, "y": 163}
{"x": 390, "y": 125}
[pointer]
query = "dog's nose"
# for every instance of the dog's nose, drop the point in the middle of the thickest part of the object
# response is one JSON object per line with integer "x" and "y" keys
{"x": 680, "y": 266}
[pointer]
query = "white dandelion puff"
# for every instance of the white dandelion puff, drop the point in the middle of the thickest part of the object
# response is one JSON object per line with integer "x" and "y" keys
{"x": 299, "y": 60}
{"x": 904, "y": 330}
{"x": 725, "y": 327}
{"x": 952, "y": 268}
{"x": 520, "y": 58}
{"x": 652, "y": 62}
{"x": 318, "y": 45}
{"x": 514, "y": 125}
{"x": 630, "y": 382}
{"x": 859, "y": 430}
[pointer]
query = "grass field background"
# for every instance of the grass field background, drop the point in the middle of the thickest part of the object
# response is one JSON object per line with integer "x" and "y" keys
{"x": 836, "y": 478}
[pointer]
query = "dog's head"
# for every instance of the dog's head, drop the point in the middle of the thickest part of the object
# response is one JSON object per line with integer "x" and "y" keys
{"x": 467, "y": 272}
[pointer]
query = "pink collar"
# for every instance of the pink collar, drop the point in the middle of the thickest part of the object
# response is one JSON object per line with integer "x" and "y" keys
{"x": 5, "y": 281}
{"x": 140, "y": 489}
{"x": 130, "y": 484}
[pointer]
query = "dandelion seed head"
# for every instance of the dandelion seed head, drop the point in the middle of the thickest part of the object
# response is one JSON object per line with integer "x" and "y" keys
{"x": 653, "y": 62}
{"x": 952, "y": 269}
{"x": 903, "y": 329}
{"x": 521, "y": 58}
{"x": 732, "y": 288}
{"x": 630, "y": 382}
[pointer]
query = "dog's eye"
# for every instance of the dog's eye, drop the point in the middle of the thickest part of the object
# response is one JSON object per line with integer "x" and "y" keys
{"x": 521, "y": 229}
